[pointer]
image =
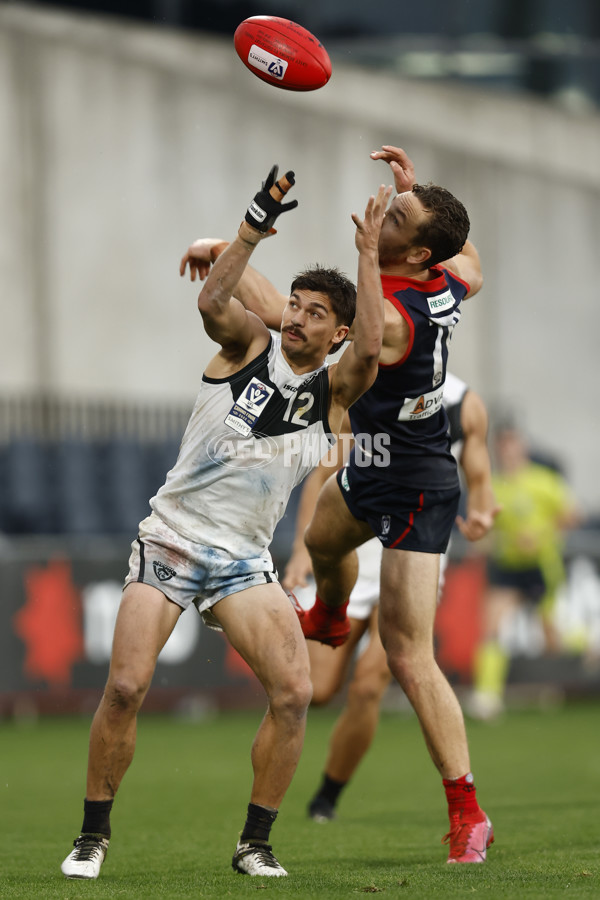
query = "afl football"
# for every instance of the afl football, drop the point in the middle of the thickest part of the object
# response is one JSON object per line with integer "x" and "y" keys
{"x": 282, "y": 53}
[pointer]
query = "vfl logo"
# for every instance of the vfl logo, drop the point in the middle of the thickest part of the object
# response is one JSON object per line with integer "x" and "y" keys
{"x": 248, "y": 407}
{"x": 257, "y": 393}
{"x": 163, "y": 572}
{"x": 386, "y": 523}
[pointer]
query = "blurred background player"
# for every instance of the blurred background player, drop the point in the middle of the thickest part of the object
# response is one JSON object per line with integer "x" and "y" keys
{"x": 355, "y": 727}
{"x": 525, "y": 564}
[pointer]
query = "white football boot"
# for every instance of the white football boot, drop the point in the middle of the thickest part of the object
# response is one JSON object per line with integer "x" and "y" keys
{"x": 85, "y": 859}
{"x": 256, "y": 859}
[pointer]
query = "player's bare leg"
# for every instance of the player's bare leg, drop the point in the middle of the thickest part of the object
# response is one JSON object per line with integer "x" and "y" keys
{"x": 331, "y": 539}
{"x": 356, "y": 725}
{"x": 145, "y": 620}
{"x": 407, "y": 608}
{"x": 499, "y": 603}
{"x": 261, "y": 624}
{"x": 408, "y": 599}
{"x": 329, "y": 666}
{"x": 490, "y": 669}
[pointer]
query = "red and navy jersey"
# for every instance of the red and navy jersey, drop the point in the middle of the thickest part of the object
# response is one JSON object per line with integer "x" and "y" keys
{"x": 405, "y": 401}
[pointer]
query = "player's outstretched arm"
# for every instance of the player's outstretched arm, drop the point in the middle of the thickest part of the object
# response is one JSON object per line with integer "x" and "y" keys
{"x": 200, "y": 256}
{"x": 482, "y": 508}
{"x": 357, "y": 369}
{"x": 253, "y": 290}
{"x": 401, "y": 165}
{"x": 225, "y": 318}
{"x": 467, "y": 266}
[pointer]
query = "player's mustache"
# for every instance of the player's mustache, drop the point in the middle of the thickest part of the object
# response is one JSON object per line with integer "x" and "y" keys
{"x": 291, "y": 330}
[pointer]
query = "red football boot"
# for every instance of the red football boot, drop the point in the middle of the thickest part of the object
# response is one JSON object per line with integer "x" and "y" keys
{"x": 326, "y": 624}
{"x": 468, "y": 839}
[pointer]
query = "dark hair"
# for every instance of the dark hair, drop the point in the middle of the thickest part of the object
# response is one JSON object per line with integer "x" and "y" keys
{"x": 338, "y": 288}
{"x": 445, "y": 231}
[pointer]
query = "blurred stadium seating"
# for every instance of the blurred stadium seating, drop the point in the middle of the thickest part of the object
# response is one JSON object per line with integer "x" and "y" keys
{"x": 545, "y": 47}
{"x": 71, "y": 468}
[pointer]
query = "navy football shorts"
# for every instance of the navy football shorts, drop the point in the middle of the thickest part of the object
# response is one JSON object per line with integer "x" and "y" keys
{"x": 403, "y": 518}
{"x": 529, "y": 582}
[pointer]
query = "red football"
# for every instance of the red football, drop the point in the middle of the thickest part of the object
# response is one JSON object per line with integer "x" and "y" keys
{"x": 282, "y": 53}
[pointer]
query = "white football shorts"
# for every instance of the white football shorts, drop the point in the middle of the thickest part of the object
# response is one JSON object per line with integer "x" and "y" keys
{"x": 187, "y": 572}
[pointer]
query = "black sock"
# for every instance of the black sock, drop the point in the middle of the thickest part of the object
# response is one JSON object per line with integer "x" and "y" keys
{"x": 258, "y": 823}
{"x": 330, "y": 789}
{"x": 96, "y": 817}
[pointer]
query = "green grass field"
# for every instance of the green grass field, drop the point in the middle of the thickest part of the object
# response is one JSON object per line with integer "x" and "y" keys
{"x": 182, "y": 804}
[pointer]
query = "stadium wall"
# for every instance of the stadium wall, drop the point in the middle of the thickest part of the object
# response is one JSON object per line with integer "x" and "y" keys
{"x": 122, "y": 143}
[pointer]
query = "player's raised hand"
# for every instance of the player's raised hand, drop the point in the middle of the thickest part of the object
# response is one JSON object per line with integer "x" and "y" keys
{"x": 368, "y": 228}
{"x": 267, "y": 205}
{"x": 298, "y": 570}
{"x": 199, "y": 257}
{"x": 400, "y": 164}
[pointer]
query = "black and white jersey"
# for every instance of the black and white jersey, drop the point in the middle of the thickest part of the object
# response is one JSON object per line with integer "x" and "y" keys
{"x": 251, "y": 438}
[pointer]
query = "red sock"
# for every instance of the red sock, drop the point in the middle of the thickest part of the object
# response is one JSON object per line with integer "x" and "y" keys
{"x": 321, "y": 613}
{"x": 462, "y": 796}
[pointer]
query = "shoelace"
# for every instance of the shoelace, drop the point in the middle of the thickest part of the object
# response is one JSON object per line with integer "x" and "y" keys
{"x": 263, "y": 853}
{"x": 86, "y": 848}
{"x": 458, "y": 837}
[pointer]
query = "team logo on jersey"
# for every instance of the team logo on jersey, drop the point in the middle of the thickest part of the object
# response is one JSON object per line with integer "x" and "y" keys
{"x": 163, "y": 572}
{"x": 386, "y": 524}
{"x": 248, "y": 406}
{"x": 255, "y": 395}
